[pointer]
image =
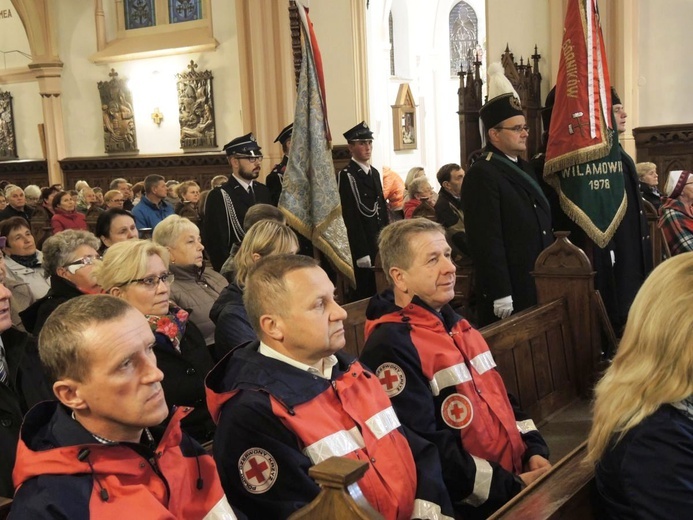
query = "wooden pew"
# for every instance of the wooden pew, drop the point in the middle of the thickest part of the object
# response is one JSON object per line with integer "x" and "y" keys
{"x": 5, "y": 504}
{"x": 566, "y": 491}
{"x": 533, "y": 352}
{"x": 660, "y": 248}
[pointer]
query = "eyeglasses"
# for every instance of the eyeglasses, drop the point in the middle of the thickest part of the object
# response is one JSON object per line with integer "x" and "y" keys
{"x": 151, "y": 282}
{"x": 252, "y": 159}
{"x": 517, "y": 128}
{"x": 117, "y": 200}
{"x": 75, "y": 266}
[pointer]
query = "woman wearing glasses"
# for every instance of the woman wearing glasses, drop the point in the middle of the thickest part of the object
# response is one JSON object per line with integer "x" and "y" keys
{"x": 68, "y": 259}
{"x": 137, "y": 271}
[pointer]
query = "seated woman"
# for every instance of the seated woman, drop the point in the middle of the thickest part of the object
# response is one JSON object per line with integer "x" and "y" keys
{"x": 115, "y": 225}
{"x": 137, "y": 271}
{"x": 87, "y": 203}
{"x": 68, "y": 258}
{"x": 22, "y": 259}
{"x": 189, "y": 194}
{"x": 264, "y": 238}
{"x": 21, "y": 293}
{"x": 420, "y": 192}
{"x": 649, "y": 182}
{"x": 66, "y": 215}
{"x": 642, "y": 433}
{"x": 676, "y": 213}
{"x": 196, "y": 288}
{"x": 113, "y": 199}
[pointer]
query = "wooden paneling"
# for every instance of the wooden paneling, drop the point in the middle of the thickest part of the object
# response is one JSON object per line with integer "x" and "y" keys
{"x": 23, "y": 173}
{"x": 670, "y": 147}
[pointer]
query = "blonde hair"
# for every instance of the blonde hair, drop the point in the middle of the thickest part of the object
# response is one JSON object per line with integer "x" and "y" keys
{"x": 184, "y": 186}
{"x": 654, "y": 362}
{"x": 127, "y": 261}
{"x": 264, "y": 238}
{"x": 413, "y": 173}
{"x": 169, "y": 230}
{"x": 643, "y": 168}
{"x": 111, "y": 194}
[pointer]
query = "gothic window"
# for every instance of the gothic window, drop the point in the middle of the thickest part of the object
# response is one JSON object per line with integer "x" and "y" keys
{"x": 184, "y": 10}
{"x": 464, "y": 36}
{"x": 392, "y": 46}
{"x": 139, "y": 13}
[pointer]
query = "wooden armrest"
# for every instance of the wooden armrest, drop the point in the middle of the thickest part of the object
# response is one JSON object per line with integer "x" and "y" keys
{"x": 5, "y": 504}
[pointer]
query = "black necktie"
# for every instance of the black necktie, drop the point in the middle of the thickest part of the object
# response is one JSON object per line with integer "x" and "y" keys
{"x": 251, "y": 192}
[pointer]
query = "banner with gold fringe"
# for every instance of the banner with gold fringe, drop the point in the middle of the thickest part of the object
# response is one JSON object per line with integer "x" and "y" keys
{"x": 583, "y": 162}
{"x": 310, "y": 196}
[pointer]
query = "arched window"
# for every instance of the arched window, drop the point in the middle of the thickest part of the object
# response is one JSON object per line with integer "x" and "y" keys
{"x": 464, "y": 36}
{"x": 392, "y": 45}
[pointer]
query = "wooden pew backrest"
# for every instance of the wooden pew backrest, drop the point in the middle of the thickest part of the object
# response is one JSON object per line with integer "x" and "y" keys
{"x": 566, "y": 491}
{"x": 354, "y": 326}
{"x": 533, "y": 353}
{"x": 5, "y": 504}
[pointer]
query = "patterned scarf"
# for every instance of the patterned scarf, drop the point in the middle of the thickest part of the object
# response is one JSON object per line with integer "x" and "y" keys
{"x": 685, "y": 407}
{"x": 171, "y": 325}
{"x": 29, "y": 261}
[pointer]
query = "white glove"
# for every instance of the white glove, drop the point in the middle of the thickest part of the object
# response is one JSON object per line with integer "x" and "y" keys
{"x": 503, "y": 307}
{"x": 364, "y": 262}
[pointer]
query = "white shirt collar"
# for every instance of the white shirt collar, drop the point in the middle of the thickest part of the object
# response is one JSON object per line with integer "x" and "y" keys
{"x": 322, "y": 368}
{"x": 364, "y": 166}
{"x": 242, "y": 182}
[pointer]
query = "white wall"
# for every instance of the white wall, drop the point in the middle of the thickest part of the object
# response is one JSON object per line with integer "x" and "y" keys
{"x": 12, "y": 38}
{"x": 664, "y": 82}
{"x": 152, "y": 81}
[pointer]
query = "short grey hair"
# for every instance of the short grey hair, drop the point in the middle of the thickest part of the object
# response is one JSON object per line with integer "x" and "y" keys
{"x": 393, "y": 242}
{"x": 32, "y": 191}
{"x": 115, "y": 182}
{"x": 59, "y": 250}
{"x": 417, "y": 186}
{"x": 11, "y": 188}
{"x": 169, "y": 230}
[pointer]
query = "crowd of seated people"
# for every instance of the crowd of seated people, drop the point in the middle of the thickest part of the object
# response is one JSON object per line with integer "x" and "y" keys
{"x": 132, "y": 370}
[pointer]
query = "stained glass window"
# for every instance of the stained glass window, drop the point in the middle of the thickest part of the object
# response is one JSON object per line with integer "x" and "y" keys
{"x": 392, "y": 46}
{"x": 464, "y": 37}
{"x": 139, "y": 13}
{"x": 184, "y": 10}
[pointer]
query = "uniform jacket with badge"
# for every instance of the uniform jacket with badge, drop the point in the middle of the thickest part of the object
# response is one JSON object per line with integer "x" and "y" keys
{"x": 27, "y": 384}
{"x": 362, "y": 230}
{"x": 275, "y": 421}
{"x": 275, "y": 178}
{"x": 441, "y": 378}
{"x": 63, "y": 472}
{"x": 508, "y": 223}
{"x": 222, "y": 223}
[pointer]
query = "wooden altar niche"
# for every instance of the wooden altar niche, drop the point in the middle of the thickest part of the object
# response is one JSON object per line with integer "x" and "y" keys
{"x": 526, "y": 80}
{"x": 670, "y": 147}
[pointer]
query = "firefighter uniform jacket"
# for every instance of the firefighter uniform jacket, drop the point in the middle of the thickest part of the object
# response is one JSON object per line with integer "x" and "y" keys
{"x": 275, "y": 421}
{"x": 441, "y": 378}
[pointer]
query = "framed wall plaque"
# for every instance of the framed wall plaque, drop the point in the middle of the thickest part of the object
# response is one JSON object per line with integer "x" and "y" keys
{"x": 404, "y": 120}
{"x": 8, "y": 140}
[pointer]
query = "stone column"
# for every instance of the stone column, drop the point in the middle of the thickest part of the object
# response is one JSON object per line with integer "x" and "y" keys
{"x": 48, "y": 76}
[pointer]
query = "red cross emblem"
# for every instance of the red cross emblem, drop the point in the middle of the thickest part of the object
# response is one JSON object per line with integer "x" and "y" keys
{"x": 457, "y": 411}
{"x": 258, "y": 470}
{"x": 391, "y": 378}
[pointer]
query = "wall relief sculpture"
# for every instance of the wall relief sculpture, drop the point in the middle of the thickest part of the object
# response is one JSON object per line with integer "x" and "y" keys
{"x": 8, "y": 142}
{"x": 196, "y": 109}
{"x": 118, "y": 115}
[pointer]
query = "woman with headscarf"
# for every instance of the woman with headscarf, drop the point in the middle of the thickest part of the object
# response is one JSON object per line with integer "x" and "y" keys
{"x": 676, "y": 214}
{"x": 22, "y": 259}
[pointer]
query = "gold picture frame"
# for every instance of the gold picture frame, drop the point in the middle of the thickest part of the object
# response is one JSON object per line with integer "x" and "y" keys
{"x": 404, "y": 124}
